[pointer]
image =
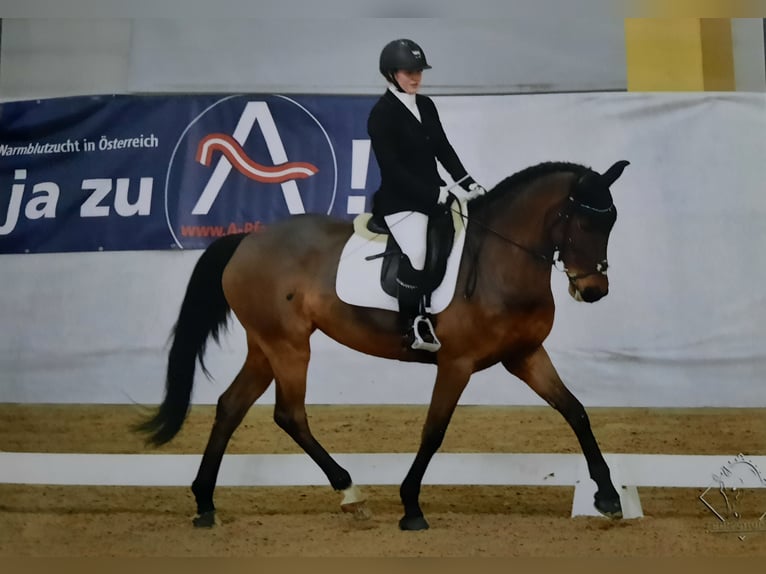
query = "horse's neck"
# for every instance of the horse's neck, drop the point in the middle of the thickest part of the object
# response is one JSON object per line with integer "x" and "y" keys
{"x": 520, "y": 226}
{"x": 527, "y": 217}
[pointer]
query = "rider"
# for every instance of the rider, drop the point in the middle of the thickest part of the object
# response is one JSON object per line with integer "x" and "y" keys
{"x": 407, "y": 138}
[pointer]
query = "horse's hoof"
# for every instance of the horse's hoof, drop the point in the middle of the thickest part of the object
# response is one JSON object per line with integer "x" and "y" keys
{"x": 413, "y": 523}
{"x": 205, "y": 520}
{"x": 359, "y": 510}
{"x": 609, "y": 507}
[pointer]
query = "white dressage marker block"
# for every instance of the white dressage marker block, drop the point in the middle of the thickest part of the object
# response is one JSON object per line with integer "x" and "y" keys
{"x": 629, "y": 471}
{"x": 585, "y": 490}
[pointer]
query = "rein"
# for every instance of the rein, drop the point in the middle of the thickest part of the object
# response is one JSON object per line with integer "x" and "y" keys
{"x": 536, "y": 254}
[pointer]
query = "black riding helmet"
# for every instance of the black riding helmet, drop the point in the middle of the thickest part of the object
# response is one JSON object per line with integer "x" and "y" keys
{"x": 401, "y": 54}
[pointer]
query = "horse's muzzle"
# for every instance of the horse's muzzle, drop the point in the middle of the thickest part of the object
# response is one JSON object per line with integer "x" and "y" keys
{"x": 589, "y": 289}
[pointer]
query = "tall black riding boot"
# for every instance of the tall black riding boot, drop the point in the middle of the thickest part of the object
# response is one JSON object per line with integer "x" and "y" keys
{"x": 419, "y": 329}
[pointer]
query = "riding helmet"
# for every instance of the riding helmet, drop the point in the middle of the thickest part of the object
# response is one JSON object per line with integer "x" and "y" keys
{"x": 401, "y": 54}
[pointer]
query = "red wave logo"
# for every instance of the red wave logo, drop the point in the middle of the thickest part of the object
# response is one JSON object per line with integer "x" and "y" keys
{"x": 229, "y": 147}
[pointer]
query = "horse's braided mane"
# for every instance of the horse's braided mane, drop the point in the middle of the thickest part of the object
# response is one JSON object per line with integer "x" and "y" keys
{"x": 517, "y": 180}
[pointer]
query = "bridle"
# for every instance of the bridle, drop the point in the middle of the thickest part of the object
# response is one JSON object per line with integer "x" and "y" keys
{"x": 600, "y": 267}
{"x": 555, "y": 259}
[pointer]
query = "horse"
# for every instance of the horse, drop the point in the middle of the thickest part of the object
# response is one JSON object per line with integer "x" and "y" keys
{"x": 279, "y": 282}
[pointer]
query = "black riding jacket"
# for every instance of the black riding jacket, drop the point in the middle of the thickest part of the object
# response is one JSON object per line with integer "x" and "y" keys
{"x": 406, "y": 151}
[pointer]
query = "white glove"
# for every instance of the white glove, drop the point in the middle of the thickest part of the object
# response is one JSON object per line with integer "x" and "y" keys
{"x": 443, "y": 196}
{"x": 469, "y": 192}
{"x": 474, "y": 190}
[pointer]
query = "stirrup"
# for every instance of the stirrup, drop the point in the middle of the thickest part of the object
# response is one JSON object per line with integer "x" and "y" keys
{"x": 430, "y": 342}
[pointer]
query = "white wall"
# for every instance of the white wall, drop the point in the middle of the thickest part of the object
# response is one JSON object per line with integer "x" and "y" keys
{"x": 56, "y": 57}
{"x": 749, "y": 67}
{"x": 535, "y": 51}
{"x": 684, "y": 323}
{"x": 561, "y": 52}
{"x": 574, "y": 47}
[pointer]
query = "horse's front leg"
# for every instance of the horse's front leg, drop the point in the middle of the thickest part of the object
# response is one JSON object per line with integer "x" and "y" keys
{"x": 451, "y": 379}
{"x": 539, "y": 373}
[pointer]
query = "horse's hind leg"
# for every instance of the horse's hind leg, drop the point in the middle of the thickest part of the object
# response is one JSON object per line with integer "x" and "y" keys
{"x": 290, "y": 362}
{"x": 539, "y": 373}
{"x": 251, "y": 382}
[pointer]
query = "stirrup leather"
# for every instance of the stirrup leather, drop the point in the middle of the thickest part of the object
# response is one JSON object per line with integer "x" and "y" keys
{"x": 430, "y": 343}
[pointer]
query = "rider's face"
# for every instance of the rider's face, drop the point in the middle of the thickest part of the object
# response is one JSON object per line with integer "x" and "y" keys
{"x": 409, "y": 80}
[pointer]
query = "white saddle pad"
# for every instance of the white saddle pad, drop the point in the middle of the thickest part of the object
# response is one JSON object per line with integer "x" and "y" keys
{"x": 358, "y": 280}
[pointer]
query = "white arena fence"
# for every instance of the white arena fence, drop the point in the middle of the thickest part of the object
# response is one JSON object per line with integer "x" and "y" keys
{"x": 629, "y": 471}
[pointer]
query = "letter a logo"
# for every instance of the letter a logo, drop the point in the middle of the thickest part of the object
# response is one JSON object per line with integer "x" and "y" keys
{"x": 232, "y": 155}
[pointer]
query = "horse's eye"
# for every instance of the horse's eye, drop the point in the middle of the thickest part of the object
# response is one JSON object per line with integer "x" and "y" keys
{"x": 585, "y": 225}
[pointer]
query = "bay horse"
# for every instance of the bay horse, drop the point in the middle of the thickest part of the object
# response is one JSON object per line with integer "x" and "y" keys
{"x": 280, "y": 284}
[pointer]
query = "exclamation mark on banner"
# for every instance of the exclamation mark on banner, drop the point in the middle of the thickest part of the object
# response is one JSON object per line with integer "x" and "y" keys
{"x": 360, "y": 161}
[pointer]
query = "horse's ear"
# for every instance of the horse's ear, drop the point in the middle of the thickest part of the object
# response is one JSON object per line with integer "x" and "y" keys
{"x": 611, "y": 175}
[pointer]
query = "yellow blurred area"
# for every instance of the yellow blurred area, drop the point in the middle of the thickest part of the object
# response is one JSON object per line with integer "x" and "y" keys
{"x": 697, "y": 8}
{"x": 679, "y": 54}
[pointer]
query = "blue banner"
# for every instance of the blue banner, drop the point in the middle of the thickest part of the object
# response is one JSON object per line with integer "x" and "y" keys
{"x": 167, "y": 172}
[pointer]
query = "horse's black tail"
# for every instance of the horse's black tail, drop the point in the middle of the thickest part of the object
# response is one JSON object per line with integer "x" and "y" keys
{"x": 204, "y": 313}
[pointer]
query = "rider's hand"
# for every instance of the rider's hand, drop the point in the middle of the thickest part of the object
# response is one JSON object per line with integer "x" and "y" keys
{"x": 475, "y": 190}
{"x": 471, "y": 189}
{"x": 443, "y": 196}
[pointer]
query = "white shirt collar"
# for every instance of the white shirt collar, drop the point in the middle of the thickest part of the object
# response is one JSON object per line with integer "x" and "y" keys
{"x": 407, "y": 99}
